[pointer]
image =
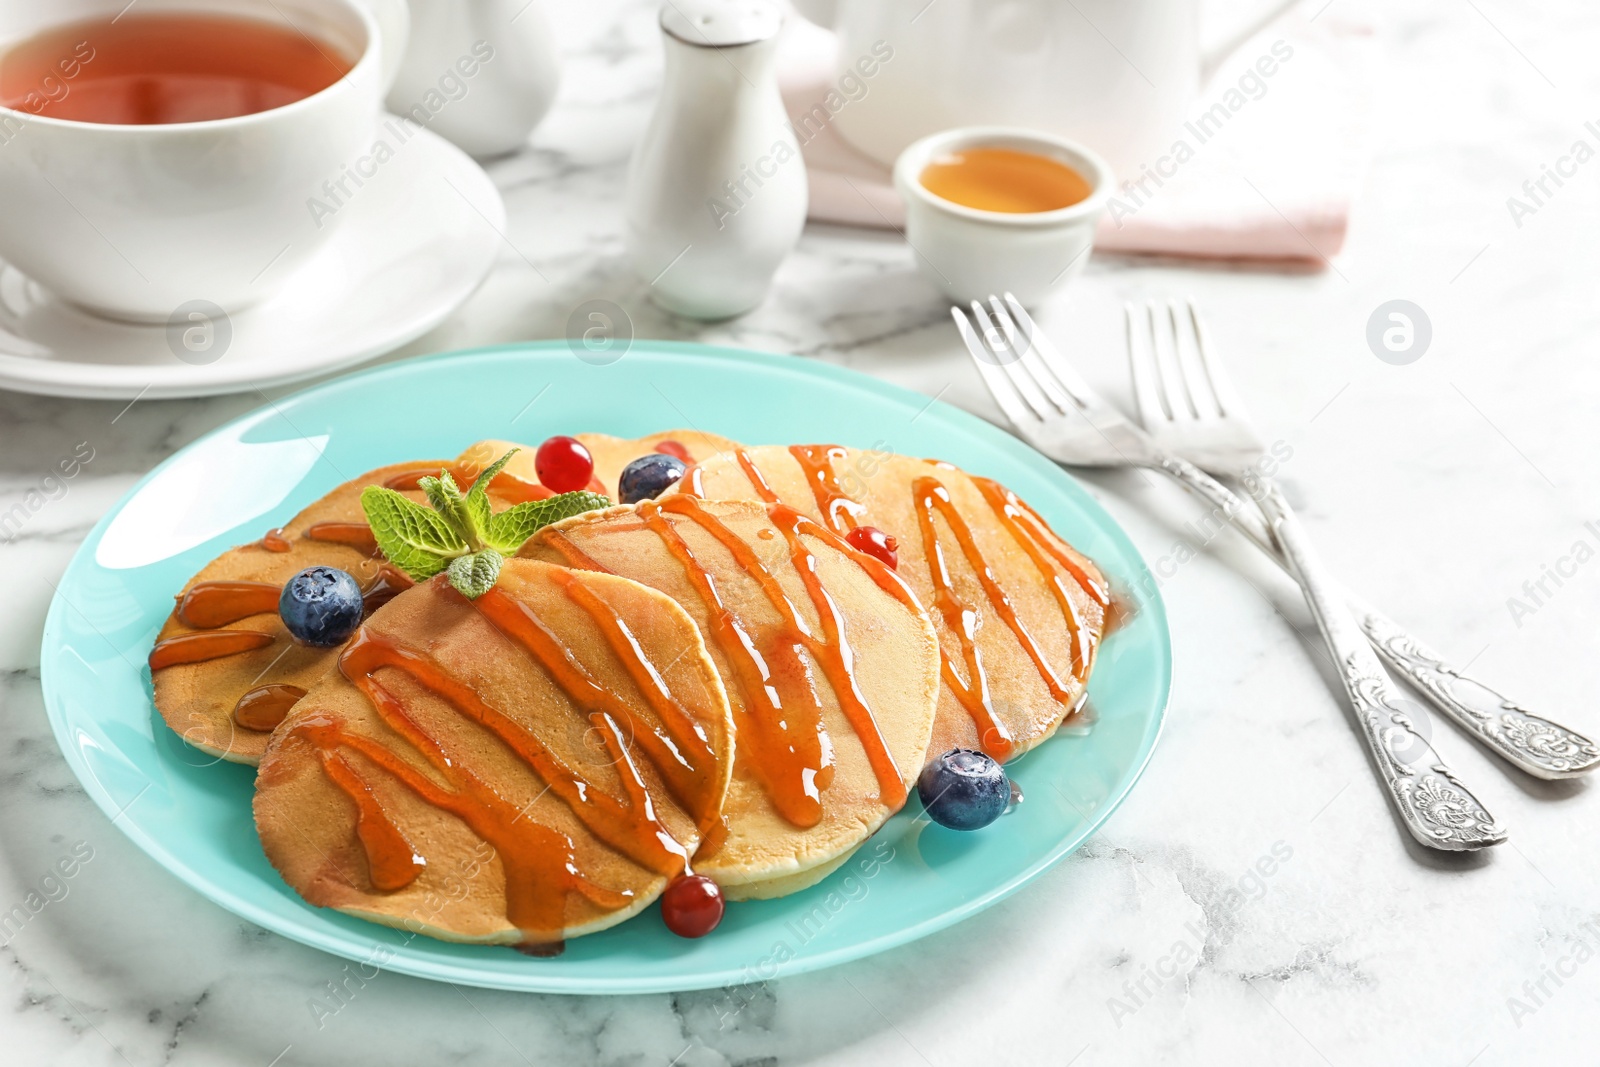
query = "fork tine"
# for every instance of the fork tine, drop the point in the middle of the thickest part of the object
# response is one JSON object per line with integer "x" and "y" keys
{"x": 1059, "y": 367}
{"x": 1022, "y": 345}
{"x": 1228, "y": 402}
{"x": 1010, "y": 362}
{"x": 999, "y": 387}
{"x": 1164, "y": 338}
{"x": 1141, "y": 363}
{"x": 1202, "y": 398}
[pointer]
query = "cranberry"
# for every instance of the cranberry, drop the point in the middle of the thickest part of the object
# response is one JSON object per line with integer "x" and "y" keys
{"x": 563, "y": 464}
{"x": 692, "y": 906}
{"x": 675, "y": 450}
{"x": 874, "y": 542}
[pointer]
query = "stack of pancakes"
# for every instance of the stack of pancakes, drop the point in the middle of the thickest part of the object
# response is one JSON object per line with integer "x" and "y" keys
{"x": 716, "y": 681}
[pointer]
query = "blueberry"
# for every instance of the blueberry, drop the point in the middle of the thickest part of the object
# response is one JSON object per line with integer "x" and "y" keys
{"x": 649, "y": 476}
{"x": 963, "y": 789}
{"x": 321, "y": 606}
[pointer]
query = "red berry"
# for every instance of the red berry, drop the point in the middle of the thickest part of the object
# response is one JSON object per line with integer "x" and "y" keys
{"x": 674, "y": 449}
{"x": 874, "y": 542}
{"x": 563, "y": 464}
{"x": 692, "y": 906}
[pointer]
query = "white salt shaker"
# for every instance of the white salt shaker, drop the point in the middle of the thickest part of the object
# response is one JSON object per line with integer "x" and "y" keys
{"x": 716, "y": 187}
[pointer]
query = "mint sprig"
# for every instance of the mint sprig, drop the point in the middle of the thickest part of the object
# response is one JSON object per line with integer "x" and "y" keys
{"x": 459, "y": 533}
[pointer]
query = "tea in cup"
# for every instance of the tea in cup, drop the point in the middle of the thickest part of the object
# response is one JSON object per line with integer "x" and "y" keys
{"x": 994, "y": 210}
{"x": 177, "y": 151}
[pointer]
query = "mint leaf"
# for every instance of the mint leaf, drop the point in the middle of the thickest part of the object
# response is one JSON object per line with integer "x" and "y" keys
{"x": 418, "y": 541}
{"x": 478, "y": 509}
{"x": 445, "y": 496}
{"x": 475, "y": 574}
{"x": 485, "y": 476}
{"x": 509, "y": 529}
{"x": 461, "y": 534}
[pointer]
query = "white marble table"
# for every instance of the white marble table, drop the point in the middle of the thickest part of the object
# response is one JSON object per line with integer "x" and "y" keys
{"x": 1437, "y": 489}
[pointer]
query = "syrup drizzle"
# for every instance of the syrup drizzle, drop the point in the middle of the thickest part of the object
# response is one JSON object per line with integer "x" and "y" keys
{"x": 508, "y": 487}
{"x": 392, "y": 860}
{"x": 780, "y": 734}
{"x": 576, "y": 557}
{"x": 681, "y": 753}
{"x": 358, "y": 535}
{"x": 1031, "y": 534}
{"x": 841, "y": 513}
{"x": 973, "y": 692}
{"x": 539, "y": 863}
{"x": 387, "y": 584}
{"x": 209, "y": 605}
{"x": 792, "y": 753}
{"x": 274, "y": 541}
{"x": 1024, "y": 525}
{"x": 265, "y": 706}
{"x": 207, "y": 644}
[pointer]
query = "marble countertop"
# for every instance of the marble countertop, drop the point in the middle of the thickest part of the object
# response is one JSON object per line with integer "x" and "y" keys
{"x": 1252, "y": 901}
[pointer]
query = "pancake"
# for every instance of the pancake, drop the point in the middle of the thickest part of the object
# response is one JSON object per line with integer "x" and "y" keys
{"x": 610, "y": 454}
{"x": 198, "y": 699}
{"x": 1034, "y": 607}
{"x": 830, "y": 666}
{"x": 523, "y": 768}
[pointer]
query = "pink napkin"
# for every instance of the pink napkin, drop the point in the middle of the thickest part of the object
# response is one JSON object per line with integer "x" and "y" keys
{"x": 1275, "y": 182}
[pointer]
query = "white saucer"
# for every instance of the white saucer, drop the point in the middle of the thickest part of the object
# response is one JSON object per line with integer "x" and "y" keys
{"x": 419, "y": 238}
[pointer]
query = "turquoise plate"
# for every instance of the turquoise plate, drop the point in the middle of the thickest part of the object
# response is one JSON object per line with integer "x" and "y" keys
{"x": 193, "y": 815}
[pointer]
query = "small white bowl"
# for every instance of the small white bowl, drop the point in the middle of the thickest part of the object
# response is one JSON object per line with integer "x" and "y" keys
{"x": 969, "y": 253}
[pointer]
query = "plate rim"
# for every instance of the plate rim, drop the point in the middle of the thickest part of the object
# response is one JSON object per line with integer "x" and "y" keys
{"x": 32, "y": 376}
{"x": 539, "y": 981}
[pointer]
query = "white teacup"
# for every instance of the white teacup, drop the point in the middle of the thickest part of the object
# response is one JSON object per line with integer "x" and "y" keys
{"x": 970, "y": 253}
{"x": 134, "y": 222}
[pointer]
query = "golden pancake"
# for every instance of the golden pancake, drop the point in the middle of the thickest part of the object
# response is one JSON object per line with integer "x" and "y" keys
{"x": 522, "y": 768}
{"x": 224, "y": 641}
{"x": 830, "y": 666}
{"x": 610, "y": 454}
{"x": 1019, "y": 612}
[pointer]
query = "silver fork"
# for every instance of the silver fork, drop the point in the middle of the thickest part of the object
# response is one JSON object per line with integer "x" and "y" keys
{"x": 1188, "y": 404}
{"x": 1056, "y": 411}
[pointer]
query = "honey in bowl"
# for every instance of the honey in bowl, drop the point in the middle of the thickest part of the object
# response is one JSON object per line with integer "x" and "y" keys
{"x": 1004, "y": 180}
{"x": 161, "y": 68}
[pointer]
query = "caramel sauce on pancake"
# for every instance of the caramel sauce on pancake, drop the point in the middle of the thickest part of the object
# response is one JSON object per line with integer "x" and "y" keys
{"x": 206, "y": 645}
{"x": 663, "y": 724}
{"x": 838, "y": 510}
{"x": 513, "y": 489}
{"x": 786, "y": 623}
{"x": 943, "y": 533}
{"x": 224, "y": 639}
{"x": 358, "y": 535}
{"x": 208, "y": 605}
{"x": 244, "y": 583}
{"x": 387, "y": 584}
{"x": 782, "y": 731}
{"x": 571, "y": 554}
{"x": 265, "y": 706}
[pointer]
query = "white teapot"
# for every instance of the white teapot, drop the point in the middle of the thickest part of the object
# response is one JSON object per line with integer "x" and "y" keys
{"x": 480, "y": 73}
{"x": 1116, "y": 75}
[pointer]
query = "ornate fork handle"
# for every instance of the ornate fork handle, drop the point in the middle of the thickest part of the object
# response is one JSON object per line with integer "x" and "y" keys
{"x": 1542, "y": 748}
{"x": 1539, "y": 746}
{"x": 1439, "y": 811}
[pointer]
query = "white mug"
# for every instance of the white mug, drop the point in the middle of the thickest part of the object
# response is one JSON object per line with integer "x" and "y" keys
{"x": 138, "y": 222}
{"x": 1118, "y": 75}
